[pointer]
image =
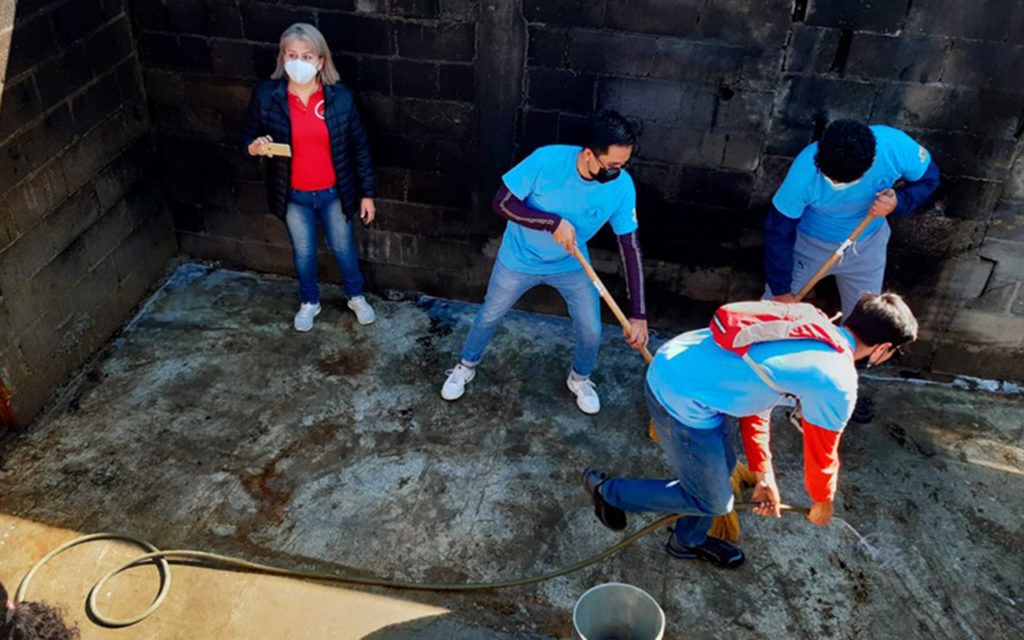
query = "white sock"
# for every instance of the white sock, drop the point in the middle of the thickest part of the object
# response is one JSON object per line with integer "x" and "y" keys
{"x": 577, "y": 377}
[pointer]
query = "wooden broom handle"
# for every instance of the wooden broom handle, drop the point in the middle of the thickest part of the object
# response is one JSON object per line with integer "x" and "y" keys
{"x": 609, "y": 300}
{"x": 835, "y": 257}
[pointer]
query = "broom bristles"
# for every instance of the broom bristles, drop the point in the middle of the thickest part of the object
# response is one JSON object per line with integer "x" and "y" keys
{"x": 727, "y": 527}
{"x": 742, "y": 478}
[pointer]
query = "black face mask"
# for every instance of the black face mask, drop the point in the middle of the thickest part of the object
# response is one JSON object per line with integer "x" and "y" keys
{"x": 605, "y": 174}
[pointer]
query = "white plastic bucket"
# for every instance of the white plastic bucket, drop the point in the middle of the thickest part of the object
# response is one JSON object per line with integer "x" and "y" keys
{"x": 617, "y": 611}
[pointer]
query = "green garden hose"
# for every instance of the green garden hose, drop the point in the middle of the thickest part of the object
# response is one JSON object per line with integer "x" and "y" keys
{"x": 214, "y": 560}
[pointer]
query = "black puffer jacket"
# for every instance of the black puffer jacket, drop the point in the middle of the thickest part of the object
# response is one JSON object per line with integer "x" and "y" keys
{"x": 350, "y": 149}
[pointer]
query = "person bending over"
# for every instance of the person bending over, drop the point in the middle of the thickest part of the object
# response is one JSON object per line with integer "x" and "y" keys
{"x": 693, "y": 383}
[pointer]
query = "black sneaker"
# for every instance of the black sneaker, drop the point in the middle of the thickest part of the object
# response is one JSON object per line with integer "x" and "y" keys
{"x": 715, "y": 550}
{"x": 611, "y": 517}
{"x": 863, "y": 411}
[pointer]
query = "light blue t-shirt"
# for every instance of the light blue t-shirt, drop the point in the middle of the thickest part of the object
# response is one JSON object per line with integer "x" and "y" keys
{"x": 547, "y": 180}
{"x": 831, "y": 214}
{"x": 698, "y": 382}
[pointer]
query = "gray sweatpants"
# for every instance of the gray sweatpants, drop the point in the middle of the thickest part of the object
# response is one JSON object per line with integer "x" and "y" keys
{"x": 861, "y": 269}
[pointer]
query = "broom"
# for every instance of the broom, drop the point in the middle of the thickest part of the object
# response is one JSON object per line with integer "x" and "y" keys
{"x": 725, "y": 527}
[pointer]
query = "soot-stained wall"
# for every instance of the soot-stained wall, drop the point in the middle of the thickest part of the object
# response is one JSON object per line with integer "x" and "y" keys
{"x": 726, "y": 92}
{"x": 84, "y": 232}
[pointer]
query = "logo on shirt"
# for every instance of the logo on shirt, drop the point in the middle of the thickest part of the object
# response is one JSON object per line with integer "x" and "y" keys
{"x": 319, "y": 110}
{"x": 921, "y": 153}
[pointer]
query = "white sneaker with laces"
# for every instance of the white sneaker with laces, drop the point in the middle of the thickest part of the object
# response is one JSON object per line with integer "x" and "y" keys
{"x": 304, "y": 317}
{"x": 457, "y": 380}
{"x": 586, "y": 394}
{"x": 364, "y": 312}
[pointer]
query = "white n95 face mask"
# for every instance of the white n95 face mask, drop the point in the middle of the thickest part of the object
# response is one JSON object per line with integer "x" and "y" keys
{"x": 300, "y": 71}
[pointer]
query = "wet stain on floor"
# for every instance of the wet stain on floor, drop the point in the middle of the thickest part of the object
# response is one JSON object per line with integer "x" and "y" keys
{"x": 347, "y": 362}
{"x": 273, "y": 486}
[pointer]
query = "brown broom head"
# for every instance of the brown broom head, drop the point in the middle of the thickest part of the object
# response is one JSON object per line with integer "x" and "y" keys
{"x": 727, "y": 527}
{"x": 742, "y": 478}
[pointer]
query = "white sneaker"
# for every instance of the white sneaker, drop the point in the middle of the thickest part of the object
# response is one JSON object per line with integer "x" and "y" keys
{"x": 586, "y": 394}
{"x": 457, "y": 380}
{"x": 364, "y": 312}
{"x": 304, "y": 318}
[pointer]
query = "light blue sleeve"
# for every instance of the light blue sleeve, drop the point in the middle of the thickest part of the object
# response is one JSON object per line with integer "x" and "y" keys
{"x": 911, "y": 158}
{"x": 522, "y": 178}
{"x": 791, "y": 198}
{"x": 828, "y": 400}
{"x": 623, "y": 219}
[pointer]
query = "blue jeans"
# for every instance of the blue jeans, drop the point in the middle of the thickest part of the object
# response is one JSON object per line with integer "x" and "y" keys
{"x": 307, "y": 210}
{"x": 507, "y": 286}
{"x": 703, "y": 460}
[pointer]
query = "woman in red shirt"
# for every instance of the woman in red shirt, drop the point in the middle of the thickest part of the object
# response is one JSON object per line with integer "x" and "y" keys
{"x": 329, "y": 175}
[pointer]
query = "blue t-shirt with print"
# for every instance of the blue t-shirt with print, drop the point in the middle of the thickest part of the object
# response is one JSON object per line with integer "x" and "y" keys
{"x": 699, "y": 382}
{"x": 547, "y": 180}
{"x": 831, "y": 214}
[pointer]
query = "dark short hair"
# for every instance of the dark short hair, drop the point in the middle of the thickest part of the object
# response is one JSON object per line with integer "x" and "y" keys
{"x": 846, "y": 151}
{"x": 882, "y": 317}
{"x": 33, "y": 621}
{"x": 608, "y": 127}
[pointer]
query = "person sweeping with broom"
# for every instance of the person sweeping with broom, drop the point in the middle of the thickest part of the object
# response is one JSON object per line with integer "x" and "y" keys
{"x": 753, "y": 354}
{"x": 833, "y": 186}
{"x": 555, "y": 201}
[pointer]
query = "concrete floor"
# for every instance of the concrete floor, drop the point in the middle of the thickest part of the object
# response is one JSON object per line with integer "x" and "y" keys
{"x": 211, "y": 424}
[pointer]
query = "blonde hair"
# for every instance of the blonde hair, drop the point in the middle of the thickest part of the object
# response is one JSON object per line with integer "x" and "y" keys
{"x": 327, "y": 74}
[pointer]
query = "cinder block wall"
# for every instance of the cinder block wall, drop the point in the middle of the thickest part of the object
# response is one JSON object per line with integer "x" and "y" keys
{"x": 83, "y": 233}
{"x": 726, "y": 92}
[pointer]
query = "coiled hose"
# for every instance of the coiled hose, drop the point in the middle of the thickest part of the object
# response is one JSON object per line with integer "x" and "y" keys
{"x": 215, "y": 560}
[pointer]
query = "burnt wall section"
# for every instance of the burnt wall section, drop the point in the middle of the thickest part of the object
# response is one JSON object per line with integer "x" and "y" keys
{"x": 83, "y": 230}
{"x": 726, "y": 92}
